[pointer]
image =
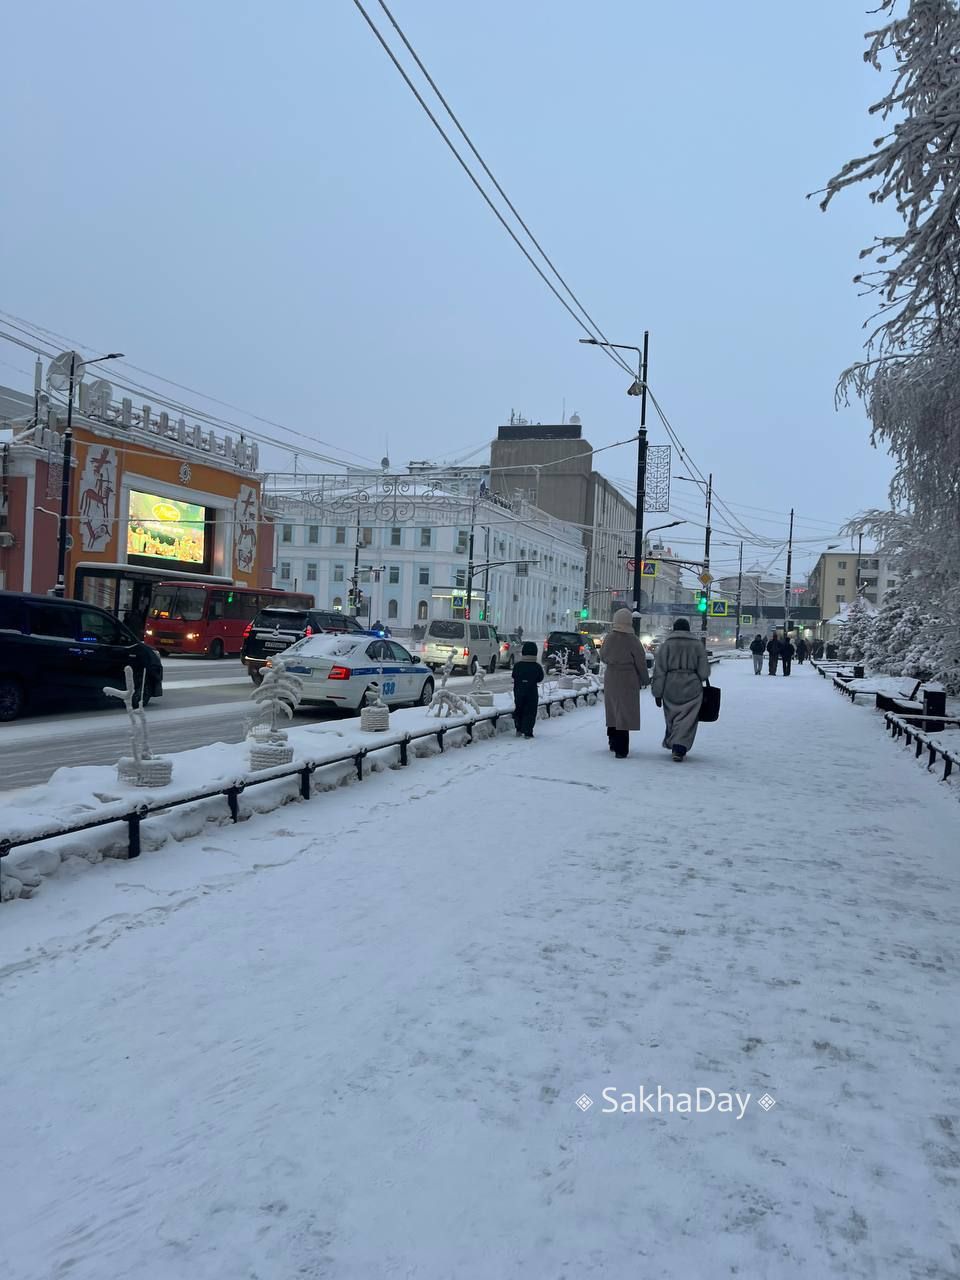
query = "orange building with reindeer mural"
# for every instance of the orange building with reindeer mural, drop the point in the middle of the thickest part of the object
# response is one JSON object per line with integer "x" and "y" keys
{"x": 150, "y": 499}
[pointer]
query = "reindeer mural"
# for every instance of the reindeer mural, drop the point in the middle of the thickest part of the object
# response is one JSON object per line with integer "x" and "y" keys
{"x": 97, "y": 504}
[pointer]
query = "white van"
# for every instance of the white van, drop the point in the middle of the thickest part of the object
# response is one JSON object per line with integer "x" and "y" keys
{"x": 481, "y": 648}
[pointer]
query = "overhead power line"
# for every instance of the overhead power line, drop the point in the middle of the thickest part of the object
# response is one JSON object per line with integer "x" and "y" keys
{"x": 588, "y": 328}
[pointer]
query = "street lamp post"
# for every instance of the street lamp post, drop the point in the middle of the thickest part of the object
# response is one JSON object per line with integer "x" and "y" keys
{"x": 638, "y": 564}
{"x": 75, "y": 365}
{"x": 639, "y": 388}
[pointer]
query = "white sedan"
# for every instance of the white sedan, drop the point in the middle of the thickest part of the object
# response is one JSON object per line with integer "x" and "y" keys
{"x": 349, "y": 670}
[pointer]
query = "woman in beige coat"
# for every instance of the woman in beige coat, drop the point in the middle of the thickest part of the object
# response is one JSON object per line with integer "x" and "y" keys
{"x": 625, "y": 660}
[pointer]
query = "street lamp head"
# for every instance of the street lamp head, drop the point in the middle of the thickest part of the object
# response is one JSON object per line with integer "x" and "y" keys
{"x": 636, "y": 388}
{"x": 113, "y": 355}
{"x": 590, "y": 341}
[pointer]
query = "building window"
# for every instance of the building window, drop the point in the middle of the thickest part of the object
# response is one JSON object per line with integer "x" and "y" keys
{"x": 874, "y": 564}
{"x": 841, "y": 582}
{"x": 366, "y": 537}
{"x": 422, "y": 611}
{"x": 286, "y": 533}
{"x": 340, "y": 535}
{"x": 841, "y": 564}
{"x": 523, "y": 570}
{"x": 311, "y": 571}
{"x": 338, "y": 573}
{"x": 871, "y": 596}
{"x": 393, "y": 574}
{"x": 391, "y": 608}
{"x": 313, "y": 533}
{"x": 841, "y": 599}
{"x": 396, "y": 537}
{"x": 891, "y": 582}
{"x": 426, "y": 537}
{"x": 424, "y": 576}
{"x": 463, "y": 541}
{"x": 284, "y": 570}
{"x": 461, "y": 578}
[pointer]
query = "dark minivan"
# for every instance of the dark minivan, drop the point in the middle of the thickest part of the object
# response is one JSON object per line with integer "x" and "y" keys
{"x": 274, "y": 630}
{"x": 55, "y": 651}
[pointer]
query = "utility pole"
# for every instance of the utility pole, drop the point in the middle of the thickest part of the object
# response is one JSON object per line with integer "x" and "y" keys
{"x": 355, "y": 580}
{"x": 473, "y": 517}
{"x": 859, "y": 559}
{"x": 704, "y": 619}
{"x": 486, "y": 574}
{"x": 736, "y": 643}
{"x": 641, "y": 482}
{"x": 61, "y": 589}
{"x": 786, "y": 585}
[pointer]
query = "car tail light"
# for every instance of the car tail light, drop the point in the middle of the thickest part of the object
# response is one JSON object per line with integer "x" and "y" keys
{"x": 308, "y": 631}
{"x": 246, "y": 630}
{"x": 339, "y": 673}
{"x": 581, "y": 648}
{"x": 149, "y": 631}
{"x": 466, "y": 653}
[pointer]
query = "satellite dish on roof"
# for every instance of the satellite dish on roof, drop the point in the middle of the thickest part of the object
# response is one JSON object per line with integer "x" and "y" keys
{"x": 58, "y": 371}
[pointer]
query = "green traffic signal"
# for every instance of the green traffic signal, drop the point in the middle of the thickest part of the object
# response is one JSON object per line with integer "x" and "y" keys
{"x": 584, "y": 614}
{"x": 702, "y": 604}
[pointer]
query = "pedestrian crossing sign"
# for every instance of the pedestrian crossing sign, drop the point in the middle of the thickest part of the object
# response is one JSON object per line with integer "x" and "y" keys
{"x": 746, "y": 619}
{"x": 649, "y": 568}
{"x": 718, "y": 608}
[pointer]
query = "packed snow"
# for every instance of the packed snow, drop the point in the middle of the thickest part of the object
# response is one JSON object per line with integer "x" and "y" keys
{"x": 347, "y": 1038}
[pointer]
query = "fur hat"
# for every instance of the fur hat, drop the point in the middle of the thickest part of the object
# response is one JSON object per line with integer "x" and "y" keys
{"x": 528, "y": 649}
{"x": 623, "y": 621}
{"x": 681, "y": 624}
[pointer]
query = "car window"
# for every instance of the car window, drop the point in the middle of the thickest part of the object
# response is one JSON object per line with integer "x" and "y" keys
{"x": 52, "y": 620}
{"x": 443, "y": 629}
{"x": 102, "y": 628}
{"x": 399, "y": 652}
{"x": 11, "y": 614}
{"x": 379, "y": 650}
{"x": 474, "y": 631}
{"x": 286, "y": 619}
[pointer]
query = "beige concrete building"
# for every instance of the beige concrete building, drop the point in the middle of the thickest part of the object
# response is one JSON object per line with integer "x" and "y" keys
{"x": 839, "y": 576}
{"x": 552, "y": 467}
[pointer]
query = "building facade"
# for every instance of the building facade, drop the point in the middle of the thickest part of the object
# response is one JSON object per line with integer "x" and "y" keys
{"x": 552, "y": 466}
{"x": 144, "y": 491}
{"x": 840, "y": 576}
{"x": 407, "y": 539}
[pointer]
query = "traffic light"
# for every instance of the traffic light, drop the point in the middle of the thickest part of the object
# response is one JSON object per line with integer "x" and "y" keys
{"x": 466, "y": 614}
{"x": 702, "y": 602}
{"x": 482, "y": 615}
{"x": 584, "y": 614}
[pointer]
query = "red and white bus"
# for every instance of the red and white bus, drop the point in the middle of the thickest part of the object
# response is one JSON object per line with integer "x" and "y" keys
{"x": 197, "y": 617}
{"x": 200, "y": 614}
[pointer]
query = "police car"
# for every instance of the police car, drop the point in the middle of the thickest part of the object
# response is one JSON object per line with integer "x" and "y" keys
{"x": 342, "y": 670}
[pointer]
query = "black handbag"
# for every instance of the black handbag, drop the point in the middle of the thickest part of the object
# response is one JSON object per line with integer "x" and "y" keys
{"x": 710, "y": 704}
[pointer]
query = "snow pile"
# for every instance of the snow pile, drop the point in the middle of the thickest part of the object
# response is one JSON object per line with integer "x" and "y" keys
{"x": 78, "y": 792}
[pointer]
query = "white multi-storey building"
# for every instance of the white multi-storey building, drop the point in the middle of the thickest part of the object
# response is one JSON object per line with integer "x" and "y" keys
{"x": 407, "y": 538}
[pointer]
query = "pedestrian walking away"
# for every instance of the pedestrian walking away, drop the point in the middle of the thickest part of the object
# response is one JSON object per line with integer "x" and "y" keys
{"x": 678, "y": 678}
{"x": 626, "y": 674}
{"x": 773, "y": 653}
{"x": 803, "y": 652}
{"x": 786, "y": 654}
{"x": 756, "y": 648}
{"x": 527, "y": 676}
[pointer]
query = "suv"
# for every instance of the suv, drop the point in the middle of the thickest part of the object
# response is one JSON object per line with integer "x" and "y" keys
{"x": 55, "y": 651}
{"x": 582, "y": 654}
{"x": 481, "y": 648}
{"x": 274, "y": 630}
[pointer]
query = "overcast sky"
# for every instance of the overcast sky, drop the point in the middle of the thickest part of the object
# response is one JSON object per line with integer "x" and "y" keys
{"x": 247, "y": 199}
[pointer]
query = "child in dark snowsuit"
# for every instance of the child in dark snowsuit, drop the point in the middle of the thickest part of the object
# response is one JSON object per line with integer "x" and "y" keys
{"x": 527, "y": 674}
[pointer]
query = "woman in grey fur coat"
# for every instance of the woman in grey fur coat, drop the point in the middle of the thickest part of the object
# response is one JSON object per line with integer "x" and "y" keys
{"x": 625, "y": 660}
{"x": 678, "y": 676}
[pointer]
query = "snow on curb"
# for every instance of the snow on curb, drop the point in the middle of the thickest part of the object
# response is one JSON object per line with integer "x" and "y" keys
{"x": 84, "y": 791}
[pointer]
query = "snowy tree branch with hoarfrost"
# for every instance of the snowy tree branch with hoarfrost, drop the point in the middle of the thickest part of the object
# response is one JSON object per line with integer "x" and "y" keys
{"x": 910, "y": 379}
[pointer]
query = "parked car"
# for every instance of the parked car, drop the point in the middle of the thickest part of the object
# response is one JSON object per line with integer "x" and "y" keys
{"x": 582, "y": 653}
{"x": 274, "y": 630}
{"x": 509, "y": 650}
{"x": 344, "y": 670}
{"x": 479, "y": 648}
{"x": 54, "y": 652}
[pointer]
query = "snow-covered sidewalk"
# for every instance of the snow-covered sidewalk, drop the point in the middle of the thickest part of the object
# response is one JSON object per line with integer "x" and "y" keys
{"x": 346, "y": 1039}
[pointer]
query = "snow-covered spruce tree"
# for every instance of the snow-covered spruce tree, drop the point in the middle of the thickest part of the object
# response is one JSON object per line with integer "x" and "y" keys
{"x": 857, "y": 633}
{"x": 909, "y": 379}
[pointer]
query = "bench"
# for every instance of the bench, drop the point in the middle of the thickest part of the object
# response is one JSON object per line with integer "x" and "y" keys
{"x": 902, "y": 700}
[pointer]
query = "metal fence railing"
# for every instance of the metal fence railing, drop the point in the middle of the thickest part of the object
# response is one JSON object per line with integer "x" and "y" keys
{"x": 303, "y": 769}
